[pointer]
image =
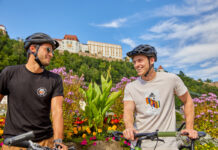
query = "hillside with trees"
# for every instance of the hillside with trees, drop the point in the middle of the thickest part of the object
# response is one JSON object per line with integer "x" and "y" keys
{"x": 13, "y": 53}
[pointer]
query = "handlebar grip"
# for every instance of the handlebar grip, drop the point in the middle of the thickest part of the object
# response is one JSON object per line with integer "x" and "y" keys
{"x": 19, "y": 138}
{"x": 167, "y": 134}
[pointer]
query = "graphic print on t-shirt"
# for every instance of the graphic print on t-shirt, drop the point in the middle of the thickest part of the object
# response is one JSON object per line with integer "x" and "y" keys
{"x": 42, "y": 91}
{"x": 152, "y": 102}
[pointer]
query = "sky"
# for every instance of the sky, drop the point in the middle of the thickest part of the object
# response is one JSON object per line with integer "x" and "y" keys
{"x": 184, "y": 32}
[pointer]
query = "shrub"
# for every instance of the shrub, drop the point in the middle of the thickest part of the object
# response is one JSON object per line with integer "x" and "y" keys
{"x": 206, "y": 114}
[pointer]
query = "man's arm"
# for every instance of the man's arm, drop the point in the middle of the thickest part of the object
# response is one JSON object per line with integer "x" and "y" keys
{"x": 129, "y": 108}
{"x": 1, "y": 97}
{"x": 189, "y": 114}
{"x": 57, "y": 117}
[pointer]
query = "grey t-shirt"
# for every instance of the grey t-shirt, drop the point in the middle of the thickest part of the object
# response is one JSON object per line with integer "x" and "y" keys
{"x": 155, "y": 106}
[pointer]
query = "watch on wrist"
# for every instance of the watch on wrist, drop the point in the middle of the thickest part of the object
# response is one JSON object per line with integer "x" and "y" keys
{"x": 58, "y": 141}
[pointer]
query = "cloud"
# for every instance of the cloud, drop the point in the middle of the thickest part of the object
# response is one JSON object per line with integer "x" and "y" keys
{"x": 211, "y": 72}
{"x": 203, "y": 29}
{"x": 191, "y": 7}
{"x": 151, "y": 36}
{"x": 205, "y": 64}
{"x": 196, "y": 53}
{"x": 113, "y": 24}
{"x": 129, "y": 42}
{"x": 191, "y": 42}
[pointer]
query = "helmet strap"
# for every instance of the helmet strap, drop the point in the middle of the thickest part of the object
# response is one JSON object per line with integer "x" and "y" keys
{"x": 36, "y": 56}
{"x": 150, "y": 67}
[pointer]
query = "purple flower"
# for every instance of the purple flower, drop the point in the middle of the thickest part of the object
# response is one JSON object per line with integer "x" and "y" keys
{"x": 209, "y": 111}
{"x": 203, "y": 95}
{"x": 202, "y": 113}
{"x": 69, "y": 101}
{"x": 70, "y": 93}
{"x": 198, "y": 116}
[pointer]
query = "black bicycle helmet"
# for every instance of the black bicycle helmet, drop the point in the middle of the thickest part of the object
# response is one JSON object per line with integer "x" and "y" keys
{"x": 144, "y": 49}
{"x": 40, "y": 38}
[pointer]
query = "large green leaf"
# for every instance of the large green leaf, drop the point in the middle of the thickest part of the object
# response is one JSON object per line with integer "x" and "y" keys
{"x": 89, "y": 93}
{"x": 113, "y": 96}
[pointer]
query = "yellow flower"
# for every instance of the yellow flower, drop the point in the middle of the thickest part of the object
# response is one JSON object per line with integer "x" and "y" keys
{"x": 74, "y": 128}
{"x": 75, "y": 131}
{"x": 69, "y": 134}
{"x": 1, "y": 132}
{"x": 99, "y": 130}
{"x": 88, "y": 130}
{"x": 94, "y": 133}
{"x": 83, "y": 128}
{"x": 79, "y": 128}
{"x": 84, "y": 135}
{"x": 109, "y": 128}
{"x": 114, "y": 127}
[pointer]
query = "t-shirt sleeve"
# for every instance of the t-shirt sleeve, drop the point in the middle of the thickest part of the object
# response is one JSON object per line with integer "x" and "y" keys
{"x": 127, "y": 94}
{"x": 4, "y": 82}
{"x": 180, "y": 87}
{"x": 58, "y": 89}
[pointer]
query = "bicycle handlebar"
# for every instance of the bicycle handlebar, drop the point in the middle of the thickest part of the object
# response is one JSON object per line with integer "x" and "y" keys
{"x": 158, "y": 134}
{"x": 20, "y": 140}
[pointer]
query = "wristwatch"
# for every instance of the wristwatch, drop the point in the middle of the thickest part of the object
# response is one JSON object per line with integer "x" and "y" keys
{"x": 58, "y": 141}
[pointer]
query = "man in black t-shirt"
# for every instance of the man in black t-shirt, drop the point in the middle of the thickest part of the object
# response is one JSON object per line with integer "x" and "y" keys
{"x": 32, "y": 93}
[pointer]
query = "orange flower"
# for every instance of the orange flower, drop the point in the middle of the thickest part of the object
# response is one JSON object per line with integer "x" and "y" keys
{"x": 84, "y": 135}
{"x": 94, "y": 133}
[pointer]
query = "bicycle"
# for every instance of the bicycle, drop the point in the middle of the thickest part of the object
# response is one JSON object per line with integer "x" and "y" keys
{"x": 24, "y": 141}
{"x": 154, "y": 136}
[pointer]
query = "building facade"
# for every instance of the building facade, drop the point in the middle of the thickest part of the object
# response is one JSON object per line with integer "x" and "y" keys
{"x": 3, "y": 29}
{"x": 100, "y": 50}
{"x": 105, "y": 49}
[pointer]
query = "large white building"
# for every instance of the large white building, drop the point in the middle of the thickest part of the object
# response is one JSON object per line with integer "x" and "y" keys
{"x": 105, "y": 49}
{"x": 72, "y": 44}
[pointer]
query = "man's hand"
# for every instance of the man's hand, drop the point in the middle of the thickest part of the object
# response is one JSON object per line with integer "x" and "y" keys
{"x": 61, "y": 146}
{"x": 193, "y": 134}
{"x": 128, "y": 133}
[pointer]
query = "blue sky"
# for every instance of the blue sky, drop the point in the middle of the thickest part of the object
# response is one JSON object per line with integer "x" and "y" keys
{"x": 184, "y": 32}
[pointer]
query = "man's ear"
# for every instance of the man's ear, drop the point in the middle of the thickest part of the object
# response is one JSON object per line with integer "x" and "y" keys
{"x": 152, "y": 60}
{"x": 32, "y": 48}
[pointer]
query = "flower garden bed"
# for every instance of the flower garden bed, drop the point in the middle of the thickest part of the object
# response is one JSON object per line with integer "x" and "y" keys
{"x": 90, "y": 112}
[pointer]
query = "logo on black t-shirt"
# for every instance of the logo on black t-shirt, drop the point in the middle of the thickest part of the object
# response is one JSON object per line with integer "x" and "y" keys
{"x": 42, "y": 91}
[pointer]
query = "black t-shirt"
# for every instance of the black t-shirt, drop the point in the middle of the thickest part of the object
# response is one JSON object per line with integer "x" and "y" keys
{"x": 29, "y": 100}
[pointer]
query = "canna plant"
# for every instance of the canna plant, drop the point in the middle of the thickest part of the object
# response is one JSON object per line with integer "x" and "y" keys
{"x": 99, "y": 101}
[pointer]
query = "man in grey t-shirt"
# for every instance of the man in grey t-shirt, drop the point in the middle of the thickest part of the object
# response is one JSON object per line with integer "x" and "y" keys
{"x": 151, "y": 99}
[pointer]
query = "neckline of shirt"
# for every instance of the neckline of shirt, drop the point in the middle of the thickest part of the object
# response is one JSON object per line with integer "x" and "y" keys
{"x": 33, "y": 72}
{"x": 144, "y": 81}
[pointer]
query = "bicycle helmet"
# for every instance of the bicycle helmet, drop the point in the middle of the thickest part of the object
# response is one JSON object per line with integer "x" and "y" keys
{"x": 144, "y": 49}
{"x": 40, "y": 38}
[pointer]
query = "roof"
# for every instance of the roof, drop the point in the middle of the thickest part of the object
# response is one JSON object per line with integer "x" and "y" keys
{"x": 71, "y": 37}
{"x": 160, "y": 67}
{"x": 58, "y": 39}
{"x": 2, "y": 25}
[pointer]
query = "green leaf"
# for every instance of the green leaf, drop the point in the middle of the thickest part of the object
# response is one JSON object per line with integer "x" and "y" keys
{"x": 113, "y": 96}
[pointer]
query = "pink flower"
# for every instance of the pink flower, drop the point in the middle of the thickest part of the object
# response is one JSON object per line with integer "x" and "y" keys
{"x": 94, "y": 143}
{"x": 113, "y": 138}
{"x": 107, "y": 139}
{"x": 84, "y": 142}
{"x": 1, "y": 143}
